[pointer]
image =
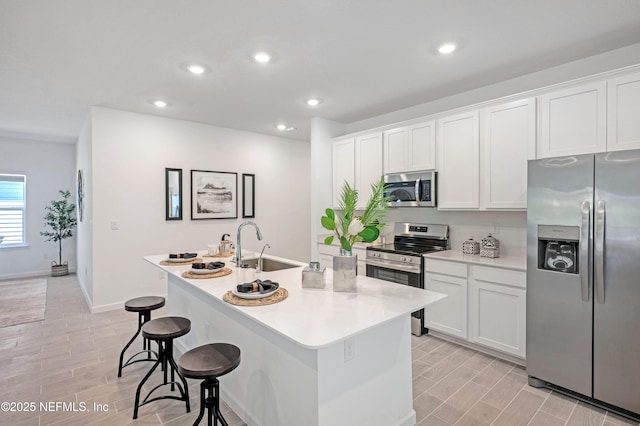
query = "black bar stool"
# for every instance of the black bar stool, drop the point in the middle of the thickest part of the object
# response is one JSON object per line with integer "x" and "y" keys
{"x": 164, "y": 330}
{"x": 143, "y": 306}
{"x": 209, "y": 362}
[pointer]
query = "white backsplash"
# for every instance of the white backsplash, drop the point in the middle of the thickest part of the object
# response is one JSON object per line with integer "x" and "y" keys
{"x": 510, "y": 228}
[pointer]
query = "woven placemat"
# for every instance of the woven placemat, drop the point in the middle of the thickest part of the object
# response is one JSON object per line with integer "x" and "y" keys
{"x": 276, "y": 297}
{"x": 167, "y": 263}
{"x": 215, "y": 274}
{"x": 231, "y": 253}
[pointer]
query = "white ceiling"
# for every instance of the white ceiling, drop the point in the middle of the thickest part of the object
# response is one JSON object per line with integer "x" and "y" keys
{"x": 362, "y": 57}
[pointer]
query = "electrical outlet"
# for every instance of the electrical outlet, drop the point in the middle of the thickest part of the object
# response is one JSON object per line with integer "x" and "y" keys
{"x": 161, "y": 275}
{"x": 496, "y": 229}
{"x": 115, "y": 225}
{"x": 349, "y": 349}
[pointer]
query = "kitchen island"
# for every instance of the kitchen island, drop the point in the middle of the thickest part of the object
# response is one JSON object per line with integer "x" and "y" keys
{"x": 316, "y": 358}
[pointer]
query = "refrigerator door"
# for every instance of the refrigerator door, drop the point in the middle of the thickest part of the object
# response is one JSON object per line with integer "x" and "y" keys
{"x": 560, "y": 304}
{"x": 616, "y": 337}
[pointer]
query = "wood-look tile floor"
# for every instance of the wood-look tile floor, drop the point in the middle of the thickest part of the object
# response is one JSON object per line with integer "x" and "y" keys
{"x": 72, "y": 357}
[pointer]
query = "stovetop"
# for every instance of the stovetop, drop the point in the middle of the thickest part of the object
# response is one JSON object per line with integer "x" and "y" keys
{"x": 405, "y": 249}
{"x": 414, "y": 239}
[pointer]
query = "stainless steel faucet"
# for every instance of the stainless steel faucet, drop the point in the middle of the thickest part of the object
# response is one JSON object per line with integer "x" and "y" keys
{"x": 259, "y": 265}
{"x": 238, "y": 258}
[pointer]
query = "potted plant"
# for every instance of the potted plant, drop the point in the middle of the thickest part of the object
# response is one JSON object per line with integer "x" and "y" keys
{"x": 61, "y": 219}
{"x": 350, "y": 229}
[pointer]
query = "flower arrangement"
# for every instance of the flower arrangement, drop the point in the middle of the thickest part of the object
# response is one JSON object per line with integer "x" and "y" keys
{"x": 348, "y": 227}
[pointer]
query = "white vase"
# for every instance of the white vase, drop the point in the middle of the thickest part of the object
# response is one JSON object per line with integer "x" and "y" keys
{"x": 344, "y": 272}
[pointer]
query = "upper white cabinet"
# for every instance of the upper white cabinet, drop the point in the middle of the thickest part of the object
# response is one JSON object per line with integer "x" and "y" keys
{"x": 368, "y": 165}
{"x": 573, "y": 121}
{"x": 410, "y": 148}
{"x": 343, "y": 161}
{"x": 623, "y": 126}
{"x": 508, "y": 141}
{"x": 458, "y": 161}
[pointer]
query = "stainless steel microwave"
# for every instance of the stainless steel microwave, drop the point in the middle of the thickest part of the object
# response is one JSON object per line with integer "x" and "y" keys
{"x": 412, "y": 189}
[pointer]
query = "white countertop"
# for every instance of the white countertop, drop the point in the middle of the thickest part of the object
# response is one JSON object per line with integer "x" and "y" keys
{"x": 518, "y": 261}
{"x": 313, "y": 318}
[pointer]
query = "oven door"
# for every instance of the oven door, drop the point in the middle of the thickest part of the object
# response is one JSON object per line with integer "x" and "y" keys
{"x": 410, "y": 275}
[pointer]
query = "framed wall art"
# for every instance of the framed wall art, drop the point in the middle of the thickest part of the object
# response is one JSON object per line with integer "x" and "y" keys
{"x": 248, "y": 195}
{"x": 173, "y": 194}
{"x": 214, "y": 195}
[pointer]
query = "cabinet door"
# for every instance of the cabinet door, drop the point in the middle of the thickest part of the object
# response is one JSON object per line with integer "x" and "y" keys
{"x": 508, "y": 141}
{"x": 422, "y": 147}
{"x": 396, "y": 152}
{"x": 458, "y": 162}
{"x": 572, "y": 121}
{"x": 623, "y": 114}
{"x": 450, "y": 314}
{"x": 343, "y": 162}
{"x": 368, "y": 165}
{"x": 497, "y": 317}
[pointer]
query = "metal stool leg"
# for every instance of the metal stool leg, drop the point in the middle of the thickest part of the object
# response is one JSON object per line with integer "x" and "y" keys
{"x": 143, "y": 317}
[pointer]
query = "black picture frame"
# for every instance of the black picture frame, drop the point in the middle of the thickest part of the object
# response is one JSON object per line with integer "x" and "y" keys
{"x": 248, "y": 195}
{"x": 173, "y": 193}
{"x": 214, "y": 195}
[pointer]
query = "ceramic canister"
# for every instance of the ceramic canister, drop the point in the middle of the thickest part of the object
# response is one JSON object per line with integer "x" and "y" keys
{"x": 470, "y": 246}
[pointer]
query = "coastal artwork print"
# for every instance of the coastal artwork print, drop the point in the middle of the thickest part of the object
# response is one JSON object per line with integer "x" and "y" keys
{"x": 214, "y": 195}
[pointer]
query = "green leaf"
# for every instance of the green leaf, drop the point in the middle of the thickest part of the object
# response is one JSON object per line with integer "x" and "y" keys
{"x": 369, "y": 234}
{"x": 330, "y": 214}
{"x": 345, "y": 244}
{"x": 328, "y": 240}
{"x": 328, "y": 223}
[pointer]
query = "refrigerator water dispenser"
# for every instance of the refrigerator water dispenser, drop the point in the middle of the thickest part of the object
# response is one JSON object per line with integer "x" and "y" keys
{"x": 558, "y": 248}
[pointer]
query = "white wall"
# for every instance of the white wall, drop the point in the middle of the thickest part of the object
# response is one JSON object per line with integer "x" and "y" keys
{"x": 129, "y": 155}
{"x": 49, "y": 167}
{"x": 85, "y": 237}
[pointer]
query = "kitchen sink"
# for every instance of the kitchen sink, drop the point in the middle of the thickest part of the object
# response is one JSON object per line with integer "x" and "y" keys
{"x": 268, "y": 265}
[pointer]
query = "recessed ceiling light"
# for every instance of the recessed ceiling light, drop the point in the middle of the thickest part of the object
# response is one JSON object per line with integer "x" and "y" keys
{"x": 447, "y": 48}
{"x": 262, "y": 57}
{"x": 314, "y": 101}
{"x": 284, "y": 128}
{"x": 160, "y": 104}
{"x": 196, "y": 69}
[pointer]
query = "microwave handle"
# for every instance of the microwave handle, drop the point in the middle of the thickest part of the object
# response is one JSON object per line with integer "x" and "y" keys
{"x": 418, "y": 189}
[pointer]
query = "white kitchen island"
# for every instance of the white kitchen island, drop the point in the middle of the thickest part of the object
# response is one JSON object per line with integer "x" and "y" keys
{"x": 316, "y": 358}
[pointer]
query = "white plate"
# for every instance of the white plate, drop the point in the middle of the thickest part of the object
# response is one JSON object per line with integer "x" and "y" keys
{"x": 180, "y": 260}
{"x": 205, "y": 271}
{"x": 253, "y": 295}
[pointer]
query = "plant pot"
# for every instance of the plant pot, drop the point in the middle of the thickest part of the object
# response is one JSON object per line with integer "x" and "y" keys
{"x": 59, "y": 270}
{"x": 344, "y": 272}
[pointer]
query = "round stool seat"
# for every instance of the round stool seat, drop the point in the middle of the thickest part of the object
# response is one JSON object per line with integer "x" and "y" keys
{"x": 212, "y": 360}
{"x": 166, "y": 328}
{"x": 146, "y": 303}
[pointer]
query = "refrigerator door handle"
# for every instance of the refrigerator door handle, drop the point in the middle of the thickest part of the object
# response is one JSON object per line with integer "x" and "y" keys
{"x": 585, "y": 242}
{"x": 599, "y": 250}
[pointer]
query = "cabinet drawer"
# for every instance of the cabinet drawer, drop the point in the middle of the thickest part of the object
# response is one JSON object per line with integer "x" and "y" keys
{"x": 456, "y": 269}
{"x": 500, "y": 276}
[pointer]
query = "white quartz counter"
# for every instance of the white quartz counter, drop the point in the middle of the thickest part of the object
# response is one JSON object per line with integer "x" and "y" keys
{"x": 516, "y": 261}
{"x": 313, "y": 318}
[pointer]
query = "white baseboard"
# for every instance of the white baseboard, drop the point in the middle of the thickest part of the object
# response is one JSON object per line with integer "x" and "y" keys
{"x": 113, "y": 306}
{"x": 32, "y": 274}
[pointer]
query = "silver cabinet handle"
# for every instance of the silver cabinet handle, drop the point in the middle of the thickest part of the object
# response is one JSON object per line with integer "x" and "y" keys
{"x": 585, "y": 266}
{"x": 418, "y": 190}
{"x": 599, "y": 250}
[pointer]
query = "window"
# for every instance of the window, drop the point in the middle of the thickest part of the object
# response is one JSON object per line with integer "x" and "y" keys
{"x": 13, "y": 190}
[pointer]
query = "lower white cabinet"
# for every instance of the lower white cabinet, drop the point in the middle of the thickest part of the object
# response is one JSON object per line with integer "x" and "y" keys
{"x": 484, "y": 305}
{"x": 450, "y": 314}
{"x": 497, "y": 310}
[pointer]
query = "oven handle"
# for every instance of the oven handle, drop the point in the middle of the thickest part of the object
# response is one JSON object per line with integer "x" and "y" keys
{"x": 414, "y": 269}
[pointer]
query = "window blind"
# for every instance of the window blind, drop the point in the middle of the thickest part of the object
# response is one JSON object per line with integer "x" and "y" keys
{"x": 12, "y": 208}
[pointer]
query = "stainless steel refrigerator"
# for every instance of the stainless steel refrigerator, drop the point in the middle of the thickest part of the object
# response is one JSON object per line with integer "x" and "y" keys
{"x": 583, "y": 276}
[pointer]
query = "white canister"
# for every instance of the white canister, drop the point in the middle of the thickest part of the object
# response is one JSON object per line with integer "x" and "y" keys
{"x": 470, "y": 246}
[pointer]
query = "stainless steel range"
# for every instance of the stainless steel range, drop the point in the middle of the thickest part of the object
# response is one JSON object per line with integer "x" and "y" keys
{"x": 402, "y": 262}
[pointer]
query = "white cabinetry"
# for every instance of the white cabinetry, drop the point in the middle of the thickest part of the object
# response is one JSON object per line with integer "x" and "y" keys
{"x": 497, "y": 309}
{"x": 368, "y": 165}
{"x": 623, "y": 114}
{"x": 508, "y": 141}
{"x": 573, "y": 121}
{"x": 458, "y": 161}
{"x": 450, "y": 314}
{"x": 410, "y": 148}
{"x": 343, "y": 162}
